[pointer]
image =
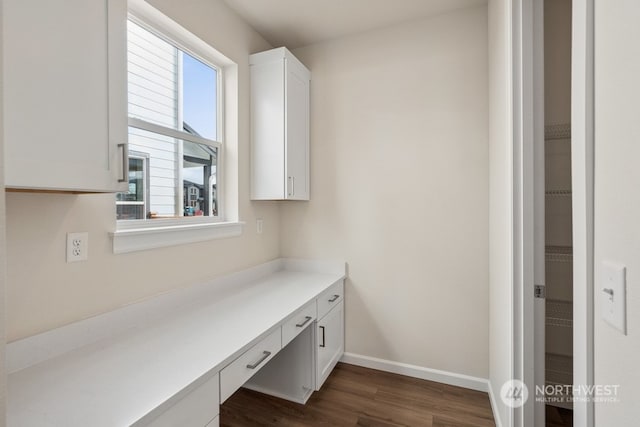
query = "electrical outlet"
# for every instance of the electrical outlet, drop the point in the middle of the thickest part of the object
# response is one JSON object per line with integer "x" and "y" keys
{"x": 259, "y": 225}
{"x": 77, "y": 246}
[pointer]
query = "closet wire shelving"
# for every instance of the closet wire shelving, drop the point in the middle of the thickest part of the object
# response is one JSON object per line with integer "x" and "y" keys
{"x": 559, "y": 313}
{"x": 559, "y": 254}
{"x": 558, "y": 193}
{"x": 559, "y": 132}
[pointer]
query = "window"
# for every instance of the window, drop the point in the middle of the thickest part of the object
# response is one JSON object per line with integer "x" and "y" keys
{"x": 133, "y": 203}
{"x": 175, "y": 146}
{"x": 177, "y": 191}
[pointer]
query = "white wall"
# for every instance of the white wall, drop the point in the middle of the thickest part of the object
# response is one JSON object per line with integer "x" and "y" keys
{"x": 44, "y": 292}
{"x": 617, "y": 199}
{"x": 399, "y": 188}
{"x": 500, "y": 204}
{"x": 3, "y": 390}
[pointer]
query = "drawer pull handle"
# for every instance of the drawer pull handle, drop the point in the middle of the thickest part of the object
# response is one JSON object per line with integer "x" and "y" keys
{"x": 322, "y": 327}
{"x": 306, "y": 320}
{"x": 265, "y": 354}
{"x": 335, "y": 297}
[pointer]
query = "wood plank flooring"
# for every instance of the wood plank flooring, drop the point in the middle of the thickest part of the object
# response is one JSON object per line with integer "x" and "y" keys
{"x": 355, "y": 396}
{"x": 558, "y": 417}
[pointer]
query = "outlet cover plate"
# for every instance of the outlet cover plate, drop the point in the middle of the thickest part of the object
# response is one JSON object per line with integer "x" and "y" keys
{"x": 77, "y": 246}
{"x": 613, "y": 294}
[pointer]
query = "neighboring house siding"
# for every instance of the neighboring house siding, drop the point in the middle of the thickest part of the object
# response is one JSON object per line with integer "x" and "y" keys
{"x": 153, "y": 96}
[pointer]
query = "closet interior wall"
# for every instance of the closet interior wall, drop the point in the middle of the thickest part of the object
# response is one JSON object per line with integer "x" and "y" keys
{"x": 558, "y": 237}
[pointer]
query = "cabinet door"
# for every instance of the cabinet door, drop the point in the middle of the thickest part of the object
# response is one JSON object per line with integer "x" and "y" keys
{"x": 330, "y": 343}
{"x": 65, "y": 94}
{"x": 297, "y": 131}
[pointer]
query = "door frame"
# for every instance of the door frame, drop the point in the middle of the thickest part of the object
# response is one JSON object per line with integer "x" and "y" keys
{"x": 524, "y": 111}
{"x": 582, "y": 182}
{"x": 526, "y": 121}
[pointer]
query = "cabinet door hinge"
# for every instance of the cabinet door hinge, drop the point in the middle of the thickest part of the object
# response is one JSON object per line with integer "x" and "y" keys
{"x": 539, "y": 291}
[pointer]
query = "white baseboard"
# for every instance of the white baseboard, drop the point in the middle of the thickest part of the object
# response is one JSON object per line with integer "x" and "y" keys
{"x": 494, "y": 407}
{"x": 445, "y": 377}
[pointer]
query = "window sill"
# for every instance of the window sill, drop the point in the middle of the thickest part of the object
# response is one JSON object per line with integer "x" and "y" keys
{"x": 139, "y": 239}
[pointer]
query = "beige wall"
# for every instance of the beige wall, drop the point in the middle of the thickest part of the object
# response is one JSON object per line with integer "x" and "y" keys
{"x": 399, "y": 188}
{"x": 500, "y": 203}
{"x": 617, "y": 199}
{"x": 45, "y": 292}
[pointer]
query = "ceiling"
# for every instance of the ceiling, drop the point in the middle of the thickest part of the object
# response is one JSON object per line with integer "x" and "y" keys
{"x": 295, "y": 23}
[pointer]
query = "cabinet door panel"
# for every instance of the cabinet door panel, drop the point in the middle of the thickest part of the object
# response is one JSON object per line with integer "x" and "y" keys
{"x": 330, "y": 343}
{"x": 267, "y": 131}
{"x": 56, "y": 100}
{"x": 297, "y": 135}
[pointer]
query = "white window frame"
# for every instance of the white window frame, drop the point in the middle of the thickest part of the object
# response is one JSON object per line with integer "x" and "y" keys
{"x": 135, "y": 235}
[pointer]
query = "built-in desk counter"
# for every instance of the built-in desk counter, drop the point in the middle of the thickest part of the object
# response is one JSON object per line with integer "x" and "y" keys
{"x": 164, "y": 361}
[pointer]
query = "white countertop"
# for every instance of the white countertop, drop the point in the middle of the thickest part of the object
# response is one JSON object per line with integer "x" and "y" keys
{"x": 120, "y": 379}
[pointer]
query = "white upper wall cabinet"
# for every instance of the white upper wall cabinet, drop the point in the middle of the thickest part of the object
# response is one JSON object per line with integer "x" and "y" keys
{"x": 279, "y": 126}
{"x": 65, "y": 117}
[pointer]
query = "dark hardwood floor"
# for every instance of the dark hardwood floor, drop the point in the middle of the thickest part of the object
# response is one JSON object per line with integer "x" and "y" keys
{"x": 355, "y": 396}
{"x": 558, "y": 417}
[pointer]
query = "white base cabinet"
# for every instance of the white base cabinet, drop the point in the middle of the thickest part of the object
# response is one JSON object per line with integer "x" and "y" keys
{"x": 248, "y": 364}
{"x": 65, "y": 111}
{"x": 198, "y": 408}
{"x": 291, "y": 373}
{"x": 330, "y": 340}
{"x": 279, "y": 126}
{"x": 305, "y": 362}
{"x": 257, "y": 326}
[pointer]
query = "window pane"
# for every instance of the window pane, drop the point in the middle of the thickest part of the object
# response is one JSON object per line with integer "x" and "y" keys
{"x": 195, "y": 195}
{"x": 199, "y": 180}
{"x": 169, "y": 177}
{"x": 152, "y": 77}
{"x": 127, "y": 212}
{"x": 199, "y": 97}
{"x": 163, "y": 152}
{"x": 157, "y": 72}
{"x": 136, "y": 182}
{"x": 131, "y": 205}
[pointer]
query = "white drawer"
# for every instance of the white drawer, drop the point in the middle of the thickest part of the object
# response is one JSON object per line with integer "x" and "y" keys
{"x": 298, "y": 322}
{"x": 330, "y": 298}
{"x": 197, "y": 408}
{"x": 240, "y": 370}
